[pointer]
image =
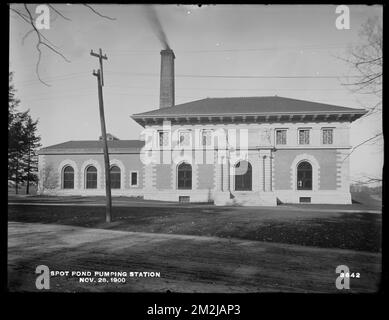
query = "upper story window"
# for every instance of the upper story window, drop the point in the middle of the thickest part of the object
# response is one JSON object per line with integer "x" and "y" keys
{"x": 328, "y": 134}
{"x": 163, "y": 137}
{"x": 303, "y": 136}
{"x": 281, "y": 136}
{"x": 184, "y": 138}
{"x": 206, "y": 138}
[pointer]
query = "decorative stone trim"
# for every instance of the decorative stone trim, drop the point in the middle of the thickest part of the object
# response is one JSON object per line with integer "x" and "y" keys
{"x": 149, "y": 176}
{"x": 175, "y": 174}
{"x": 116, "y": 162}
{"x": 232, "y": 173}
{"x": 271, "y": 171}
{"x": 216, "y": 172}
{"x": 61, "y": 167}
{"x": 100, "y": 173}
{"x": 137, "y": 179}
{"x": 265, "y": 170}
{"x": 315, "y": 171}
{"x": 342, "y": 170}
{"x": 154, "y": 176}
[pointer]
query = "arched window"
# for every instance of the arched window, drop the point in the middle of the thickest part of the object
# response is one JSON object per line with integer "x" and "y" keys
{"x": 243, "y": 176}
{"x": 115, "y": 177}
{"x": 68, "y": 177}
{"x": 184, "y": 174}
{"x": 304, "y": 176}
{"x": 91, "y": 178}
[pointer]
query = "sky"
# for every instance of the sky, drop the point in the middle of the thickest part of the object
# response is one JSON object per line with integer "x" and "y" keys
{"x": 228, "y": 40}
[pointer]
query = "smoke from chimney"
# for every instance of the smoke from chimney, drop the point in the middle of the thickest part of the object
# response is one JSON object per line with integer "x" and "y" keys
{"x": 156, "y": 25}
{"x": 167, "y": 59}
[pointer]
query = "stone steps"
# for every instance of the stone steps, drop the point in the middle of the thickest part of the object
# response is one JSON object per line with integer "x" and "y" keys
{"x": 255, "y": 199}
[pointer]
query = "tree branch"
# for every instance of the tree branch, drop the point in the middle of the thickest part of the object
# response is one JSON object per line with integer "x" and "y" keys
{"x": 98, "y": 13}
{"x": 22, "y": 15}
{"x": 43, "y": 37}
{"x": 26, "y": 35}
{"x": 39, "y": 43}
{"x": 42, "y": 40}
{"x": 362, "y": 143}
{"x": 370, "y": 79}
{"x": 58, "y": 12}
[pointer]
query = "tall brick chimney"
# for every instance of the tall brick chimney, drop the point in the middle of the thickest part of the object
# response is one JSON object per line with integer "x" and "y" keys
{"x": 167, "y": 79}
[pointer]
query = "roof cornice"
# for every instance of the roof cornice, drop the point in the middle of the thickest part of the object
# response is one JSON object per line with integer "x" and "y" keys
{"x": 352, "y": 111}
{"x": 257, "y": 117}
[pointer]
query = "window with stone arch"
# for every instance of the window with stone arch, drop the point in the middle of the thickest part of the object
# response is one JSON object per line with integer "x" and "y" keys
{"x": 184, "y": 176}
{"x": 91, "y": 178}
{"x": 68, "y": 177}
{"x": 243, "y": 176}
{"x": 304, "y": 176}
{"x": 115, "y": 177}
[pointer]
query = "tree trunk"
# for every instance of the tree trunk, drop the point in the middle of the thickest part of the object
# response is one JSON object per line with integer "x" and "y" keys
{"x": 28, "y": 171}
{"x": 16, "y": 176}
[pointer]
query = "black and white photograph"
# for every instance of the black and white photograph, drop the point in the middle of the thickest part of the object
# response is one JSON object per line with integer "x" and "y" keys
{"x": 200, "y": 148}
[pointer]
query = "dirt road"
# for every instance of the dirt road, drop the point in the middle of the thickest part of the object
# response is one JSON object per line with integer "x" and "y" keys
{"x": 185, "y": 263}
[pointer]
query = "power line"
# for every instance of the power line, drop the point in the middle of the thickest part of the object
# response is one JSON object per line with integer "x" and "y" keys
{"x": 26, "y": 83}
{"x": 56, "y": 78}
{"x": 263, "y": 77}
{"x": 273, "y": 48}
{"x": 231, "y": 89}
{"x": 93, "y": 93}
{"x": 111, "y": 90}
{"x": 237, "y": 76}
{"x": 112, "y": 94}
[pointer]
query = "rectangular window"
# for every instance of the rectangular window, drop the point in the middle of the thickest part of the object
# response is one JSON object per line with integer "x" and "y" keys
{"x": 163, "y": 138}
{"x": 184, "y": 138}
{"x": 206, "y": 138}
{"x": 305, "y": 199}
{"x": 327, "y": 136}
{"x": 303, "y": 136}
{"x": 184, "y": 199}
{"x": 281, "y": 136}
{"x": 134, "y": 178}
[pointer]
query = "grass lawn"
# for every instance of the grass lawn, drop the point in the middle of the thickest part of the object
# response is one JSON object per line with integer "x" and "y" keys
{"x": 355, "y": 231}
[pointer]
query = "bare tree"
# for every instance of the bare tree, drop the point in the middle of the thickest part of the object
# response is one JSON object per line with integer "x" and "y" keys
{"x": 48, "y": 179}
{"x": 366, "y": 59}
{"x": 25, "y": 14}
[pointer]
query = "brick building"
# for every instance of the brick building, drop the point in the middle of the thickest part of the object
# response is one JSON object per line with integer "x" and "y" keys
{"x": 247, "y": 151}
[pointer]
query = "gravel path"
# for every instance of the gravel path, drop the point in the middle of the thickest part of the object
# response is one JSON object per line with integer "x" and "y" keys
{"x": 186, "y": 263}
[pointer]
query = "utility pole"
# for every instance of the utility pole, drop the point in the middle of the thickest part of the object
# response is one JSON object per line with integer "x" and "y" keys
{"x": 100, "y": 83}
{"x": 228, "y": 165}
